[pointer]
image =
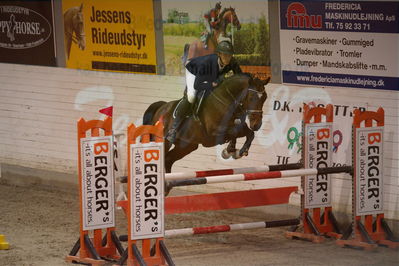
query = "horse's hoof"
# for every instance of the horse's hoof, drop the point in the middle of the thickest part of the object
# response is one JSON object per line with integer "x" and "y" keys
{"x": 225, "y": 154}
{"x": 167, "y": 190}
{"x": 237, "y": 155}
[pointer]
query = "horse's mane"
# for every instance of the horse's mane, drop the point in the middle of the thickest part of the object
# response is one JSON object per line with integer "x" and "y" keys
{"x": 72, "y": 10}
{"x": 68, "y": 15}
{"x": 237, "y": 78}
{"x": 232, "y": 81}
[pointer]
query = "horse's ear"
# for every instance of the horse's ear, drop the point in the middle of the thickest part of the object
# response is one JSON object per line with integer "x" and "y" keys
{"x": 81, "y": 7}
{"x": 266, "y": 81}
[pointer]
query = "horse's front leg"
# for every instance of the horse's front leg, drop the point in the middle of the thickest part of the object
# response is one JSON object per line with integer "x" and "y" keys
{"x": 232, "y": 146}
{"x": 250, "y": 135}
{"x": 230, "y": 150}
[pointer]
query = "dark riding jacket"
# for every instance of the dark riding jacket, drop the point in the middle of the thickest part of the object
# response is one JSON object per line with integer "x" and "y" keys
{"x": 206, "y": 70}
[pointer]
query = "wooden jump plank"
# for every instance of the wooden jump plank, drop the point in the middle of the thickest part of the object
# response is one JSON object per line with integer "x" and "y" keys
{"x": 228, "y": 200}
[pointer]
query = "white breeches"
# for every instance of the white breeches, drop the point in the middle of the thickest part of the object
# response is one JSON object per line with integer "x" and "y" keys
{"x": 207, "y": 26}
{"x": 191, "y": 92}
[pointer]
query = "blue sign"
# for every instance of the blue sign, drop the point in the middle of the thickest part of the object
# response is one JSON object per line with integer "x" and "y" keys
{"x": 340, "y": 43}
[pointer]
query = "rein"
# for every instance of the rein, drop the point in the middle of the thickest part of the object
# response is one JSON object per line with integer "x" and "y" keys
{"x": 239, "y": 103}
{"x": 74, "y": 38}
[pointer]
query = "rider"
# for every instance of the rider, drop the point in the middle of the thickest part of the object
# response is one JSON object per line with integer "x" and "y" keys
{"x": 204, "y": 73}
{"x": 211, "y": 21}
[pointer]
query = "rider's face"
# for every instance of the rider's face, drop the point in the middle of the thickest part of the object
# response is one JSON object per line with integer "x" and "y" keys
{"x": 225, "y": 58}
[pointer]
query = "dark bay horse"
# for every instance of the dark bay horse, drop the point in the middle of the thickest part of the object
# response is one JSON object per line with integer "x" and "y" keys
{"x": 221, "y": 118}
{"x": 197, "y": 48}
{"x": 74, "y": 29}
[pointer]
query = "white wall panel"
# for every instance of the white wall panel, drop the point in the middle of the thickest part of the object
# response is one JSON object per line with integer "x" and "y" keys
{"x": 39, "y": 107}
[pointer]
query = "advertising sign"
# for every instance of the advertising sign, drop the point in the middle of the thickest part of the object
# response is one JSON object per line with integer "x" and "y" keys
{"x": 340, "y": 43}
{"x": 369, "y": 173}
{"x": 193, "y": 28}
{"x": 110, "y": 36}
{"x": 27, "y": 33}
{"x": 97, "y": 183}
{"x": 147, "y": 191}
{"x": 319, "y": 146}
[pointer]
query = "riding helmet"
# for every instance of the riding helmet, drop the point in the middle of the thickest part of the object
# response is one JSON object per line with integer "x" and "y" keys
{"x": 225, "y": 47}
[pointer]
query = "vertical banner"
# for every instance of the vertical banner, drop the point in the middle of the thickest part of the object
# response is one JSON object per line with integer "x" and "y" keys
{"x": 340, "y": 43}
{"x": 97, "y": 182}
{"x": 319, "y": 146}
{"x": 369, "y": 170}
{"x": 147, "y": 191}
{"x": 27, "y": 32}
{"x": 110, "y": 36}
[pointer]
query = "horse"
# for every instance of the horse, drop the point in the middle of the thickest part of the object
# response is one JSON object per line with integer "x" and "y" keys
{"x": 74, "y": 28}
{"x": 221, "y": 118}
{"x": 197, "y": 48}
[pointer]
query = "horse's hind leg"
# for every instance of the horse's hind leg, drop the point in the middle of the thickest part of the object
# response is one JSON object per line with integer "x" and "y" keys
{"x": 177, "y": 153}
{"x": 180, "y": 150}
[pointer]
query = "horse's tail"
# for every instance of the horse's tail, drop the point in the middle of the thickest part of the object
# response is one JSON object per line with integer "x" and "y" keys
{"x": 149, "y": 113}
{"x": 185, "y": 53}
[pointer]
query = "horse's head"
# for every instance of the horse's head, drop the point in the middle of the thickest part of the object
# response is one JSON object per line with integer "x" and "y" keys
{"x": 253, "y": 103}
{"x": 78, "y": 27}
{"x": 229, "y": 15}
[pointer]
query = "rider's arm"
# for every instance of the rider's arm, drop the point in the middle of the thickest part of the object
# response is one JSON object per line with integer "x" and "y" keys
{"x": 202, "y": 83}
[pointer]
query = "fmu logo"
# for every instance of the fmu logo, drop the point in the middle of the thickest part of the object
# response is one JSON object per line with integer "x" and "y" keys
{"x": 297, "y": 17}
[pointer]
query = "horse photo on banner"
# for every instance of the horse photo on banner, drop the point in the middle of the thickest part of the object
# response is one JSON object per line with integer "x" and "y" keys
{"x": 194, "y": 28}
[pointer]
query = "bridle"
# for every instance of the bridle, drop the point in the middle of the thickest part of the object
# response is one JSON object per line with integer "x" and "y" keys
{"x": 74, "y": 38}
{"x": 260, "y": 94}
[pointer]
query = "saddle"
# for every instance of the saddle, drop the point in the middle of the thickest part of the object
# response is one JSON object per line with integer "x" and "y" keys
{"x": 198, "y": 103}
{"x": 196, "y": 107}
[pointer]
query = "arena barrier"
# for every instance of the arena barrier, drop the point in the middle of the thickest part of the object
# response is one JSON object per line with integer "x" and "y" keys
{"x": 202, "y": 202}
{"x": 232, "y": 171}
{"x": 259, "y": 176}
{"x": 368, "y": 228}
{"x": 145, "y": 198}
{"x": 314, "y": 227}
{"x": 146, "y": 192}
{"x": 228, "y": 228}
{"x": 95, "y": 166}
{"x": 317, "y": 216}
{"x": 224, "y": 228}
{"x": 317, "y": 219}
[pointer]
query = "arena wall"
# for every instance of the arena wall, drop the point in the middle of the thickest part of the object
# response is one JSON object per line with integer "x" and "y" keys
{"x": 39, "y": 107}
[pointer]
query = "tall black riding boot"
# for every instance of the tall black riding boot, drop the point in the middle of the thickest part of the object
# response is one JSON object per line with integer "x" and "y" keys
{"x": 181, "y": 112}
